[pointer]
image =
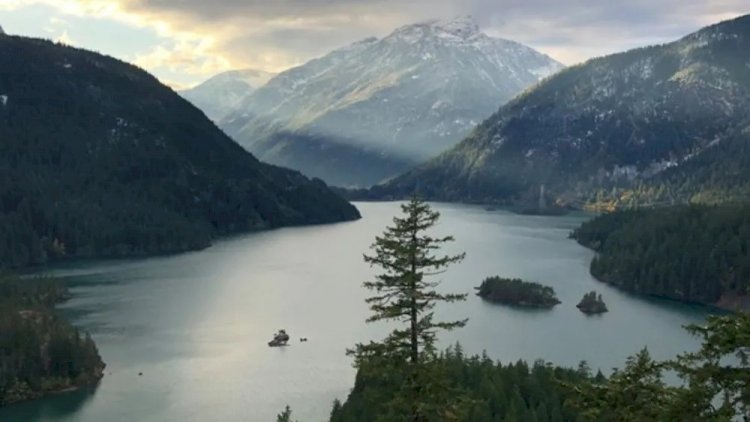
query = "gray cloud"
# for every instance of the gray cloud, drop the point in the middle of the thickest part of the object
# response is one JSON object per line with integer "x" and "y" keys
{"x": 275, "y": 34}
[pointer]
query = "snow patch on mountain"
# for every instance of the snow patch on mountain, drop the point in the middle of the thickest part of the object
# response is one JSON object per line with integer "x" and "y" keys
{"x": 408, "y": 95}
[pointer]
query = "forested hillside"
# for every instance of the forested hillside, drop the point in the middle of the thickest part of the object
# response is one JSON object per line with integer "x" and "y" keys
{"x": 97, "y": 158}
{"x": 718, "y": 175}
{"x": 689, "y": 253}
{"x": 491, "y": 391}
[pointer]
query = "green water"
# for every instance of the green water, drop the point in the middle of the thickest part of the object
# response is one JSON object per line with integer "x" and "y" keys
{"x": 196, "y": 324}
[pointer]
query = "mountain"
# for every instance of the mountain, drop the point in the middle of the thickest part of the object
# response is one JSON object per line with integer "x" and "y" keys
{"x": 97, "y": 158}
{"x": 667, "y": 123}
{"x": 377, "y": 107}
{"x": 221, "y": 94}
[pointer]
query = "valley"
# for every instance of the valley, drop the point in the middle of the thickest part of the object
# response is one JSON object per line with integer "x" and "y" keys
{"x": 207, "y": 315}
{"x": 530, "y": 241}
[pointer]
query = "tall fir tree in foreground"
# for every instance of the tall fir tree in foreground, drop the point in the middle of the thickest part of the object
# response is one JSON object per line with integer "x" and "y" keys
{"x": 405, "y": 292}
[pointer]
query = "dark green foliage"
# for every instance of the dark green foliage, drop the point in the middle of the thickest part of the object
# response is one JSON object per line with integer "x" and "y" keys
{"x": 39, "y": 351}
{"x": 717, "y": 375}
{"x": 716, "y": 381}
{"x": 97, "y": 158}
{"x": 636, "y": 393}
{"x": 592, "y": 303}
{"x": 657, "y": 123}
{"x": 490, "y": 391}
{"x": 690, "y": 253}
{"x": 514, "y": 291}
{"x": 715, "y": 385}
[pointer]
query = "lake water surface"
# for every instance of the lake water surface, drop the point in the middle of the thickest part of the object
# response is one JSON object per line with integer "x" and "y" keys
{"x": 196, "y": 324}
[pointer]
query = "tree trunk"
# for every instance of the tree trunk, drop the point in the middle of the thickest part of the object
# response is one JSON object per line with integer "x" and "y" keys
{"x": 413, "y": 304}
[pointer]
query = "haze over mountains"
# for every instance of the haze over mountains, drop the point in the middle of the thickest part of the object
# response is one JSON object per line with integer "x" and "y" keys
{"x": 223, "y": 93}
{"x": 97, "y": 158}
{"x": 667, "y": 123}
{"x": 379, "y": 106}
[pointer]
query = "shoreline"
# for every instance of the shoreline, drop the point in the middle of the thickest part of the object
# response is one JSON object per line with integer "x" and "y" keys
{"x": 58, "y": 391}
{"x": 728, "y": 302}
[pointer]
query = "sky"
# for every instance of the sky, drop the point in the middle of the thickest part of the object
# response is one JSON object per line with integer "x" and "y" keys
{"x": 183, "y": 42}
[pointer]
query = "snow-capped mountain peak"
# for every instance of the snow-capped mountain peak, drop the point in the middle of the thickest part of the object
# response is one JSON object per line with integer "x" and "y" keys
{"x": 462, "y": 26}
{"x": 385, "y": 103}
{"x": 460, "y": 29}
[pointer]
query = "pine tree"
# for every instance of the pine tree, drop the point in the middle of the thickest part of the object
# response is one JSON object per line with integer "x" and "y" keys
{"x": 285, "y": 416}
{"x": 715, "y": 387}
{"x": 408, "y": 256}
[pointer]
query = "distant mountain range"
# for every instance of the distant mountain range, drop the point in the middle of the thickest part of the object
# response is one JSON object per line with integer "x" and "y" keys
{"x": 97, "y": 158}
{"x": 370, "y": 110}
{"x": 662, "y": 124}
{"x": 222, "y": 94}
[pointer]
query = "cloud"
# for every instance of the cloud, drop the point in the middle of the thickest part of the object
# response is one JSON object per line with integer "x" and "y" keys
{"x": 64, "y": 38}
{"x": 279, "y": 33}
{"x": 188, "y": 56}
{"x": 203, "y": 37}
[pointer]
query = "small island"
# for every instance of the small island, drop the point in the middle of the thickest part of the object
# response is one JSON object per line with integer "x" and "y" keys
{"x": 514, "y": 291}
{"x": 592, "y": 303}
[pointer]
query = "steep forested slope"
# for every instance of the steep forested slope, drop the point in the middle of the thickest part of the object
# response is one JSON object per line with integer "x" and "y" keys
{"x": 689, "y": 253}
{"x": 98, "y": 158}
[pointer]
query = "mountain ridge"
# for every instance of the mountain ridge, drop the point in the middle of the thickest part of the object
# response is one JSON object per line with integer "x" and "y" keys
{"x": 608, "y": 130}
{"x": 220, "y": 94}
{"x": 399, "y": 99}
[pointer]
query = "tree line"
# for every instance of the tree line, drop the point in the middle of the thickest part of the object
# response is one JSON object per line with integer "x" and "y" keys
{"x": 692, "y": 253}
{"x": 99, "y": 159}
{"x": 40, "y": 352}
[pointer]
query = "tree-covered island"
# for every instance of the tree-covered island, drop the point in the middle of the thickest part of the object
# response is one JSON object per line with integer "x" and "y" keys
{"x": 592, "y": 303}
{"x": 514, "y": 291}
